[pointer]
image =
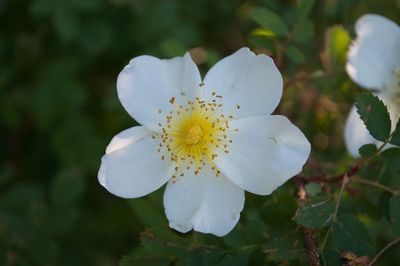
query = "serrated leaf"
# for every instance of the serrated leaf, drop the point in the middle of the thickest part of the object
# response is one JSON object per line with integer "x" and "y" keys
{"x": 395, "y": 214}
{"x": 303, "y": 31}
{"x": 395, "y": 139}
{"x": 305, "y": 7}
{"x": 375, "y": 115}
{"x": 367, "y": 150}
{"x": 349, "y": 234}
{"x": 315, "y": 214}
{"x": 269, "y": 20}
{"x": 295, "y": 55}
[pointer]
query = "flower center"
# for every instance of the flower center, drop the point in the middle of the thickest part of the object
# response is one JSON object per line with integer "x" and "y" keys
{"x": 191, "y": 135}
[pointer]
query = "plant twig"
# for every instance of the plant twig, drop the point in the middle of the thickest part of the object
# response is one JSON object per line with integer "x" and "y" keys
{"x": 311, "y": 245}
{"x": 394, "y": 242}
{"x": 344, "y": 182}
{"x": 375, "y": 184}
{"x": 309, "y": 239}
{"x": 330, "y": 179}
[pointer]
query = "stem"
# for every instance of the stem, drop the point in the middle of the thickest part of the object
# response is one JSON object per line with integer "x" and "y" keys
{"x": 311, "y": 245}
{"x": 321, "y": 248}
{"x": 394, "y": 242}
{"x": 309, "y": 240}
{"x": 344, "y": 182}
{"x": 375, "y": 184}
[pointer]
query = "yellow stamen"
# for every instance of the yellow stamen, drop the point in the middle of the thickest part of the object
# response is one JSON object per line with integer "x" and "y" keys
{"x": 194, "y": 133}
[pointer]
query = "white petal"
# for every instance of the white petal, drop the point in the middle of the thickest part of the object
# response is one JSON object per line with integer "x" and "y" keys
{"x": 126, "y": 137}
{"x": 356, "y": 134}
{"x": 204, "y": 202}
{"x": 375, "y": 53}
{"x": 251, "y": 81}
{"x": 131, "y": 167}
{"x": 146, "y": 85}
{"x": 265, "y": 153}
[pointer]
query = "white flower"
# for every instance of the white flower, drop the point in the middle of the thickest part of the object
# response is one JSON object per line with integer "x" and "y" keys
{"x": 374, "y": 63}
{"x": 208, "y": 140}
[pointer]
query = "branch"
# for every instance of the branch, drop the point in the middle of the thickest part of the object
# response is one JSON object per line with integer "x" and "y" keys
{"x": 345, "y": 180}
{"x": 309, "y": 240}
{"x": 375, "y": 184}
{"x": 394, "y": 242}
{"x": 330, "y": 179}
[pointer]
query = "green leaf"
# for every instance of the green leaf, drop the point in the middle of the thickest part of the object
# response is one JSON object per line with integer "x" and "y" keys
{"x": 316, "y": 213}
{"x": 368, "y": 150}
{"x": 313, "y": 189}
{"x": 331, "y": 258}
{"x": 395, "y": 139}
{"x": 305, "y": 7}
{"x": 349, "y": 234}
{"x": 269, "y": 20}
{"x": 395, "y": 214}
{"x": 391, "y": 154}
{"x": 303, "y": 31}
{"x": 285, "y": 247}
{"x": 295, "y": 55}
{"x": 375, "y": 115}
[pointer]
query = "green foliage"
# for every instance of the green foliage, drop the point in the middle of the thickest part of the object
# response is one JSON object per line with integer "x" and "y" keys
{"x": 395, "y": 139}
{"x": 305, "y": 7}
{"x": 349, "y": 234}
{"x": 368, "y": 150}
{"x": 337, "y": 42}
{"x": 66, "y": 189}
{"x": 59, "y": 108}
{"x": 295, "y": 55}
{"x": 313, "y": 189}
{"x": 375, "y": 115}
{"x": 303, "y": 31}
{"x": 269, "y": 20}
{"x": 395, "y": 214}
{"x": 316, "y": 213}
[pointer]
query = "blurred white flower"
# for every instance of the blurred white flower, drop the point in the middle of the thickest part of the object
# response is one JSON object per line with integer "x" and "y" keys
{"x": 374, "y": 63}
{"x": 209, "y": 140}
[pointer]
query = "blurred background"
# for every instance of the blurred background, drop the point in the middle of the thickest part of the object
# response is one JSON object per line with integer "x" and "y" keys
{"x": 59, "y": 61}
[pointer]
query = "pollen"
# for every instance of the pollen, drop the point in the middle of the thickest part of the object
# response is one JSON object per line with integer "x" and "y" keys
{"x": 193, "y": 134}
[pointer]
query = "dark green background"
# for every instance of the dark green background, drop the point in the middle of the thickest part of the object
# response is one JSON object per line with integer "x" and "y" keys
{"x": 59, "y": 109}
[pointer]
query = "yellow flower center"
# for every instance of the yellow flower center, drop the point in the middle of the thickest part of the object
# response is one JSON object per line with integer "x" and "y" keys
{"x": 192, "y": 134}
